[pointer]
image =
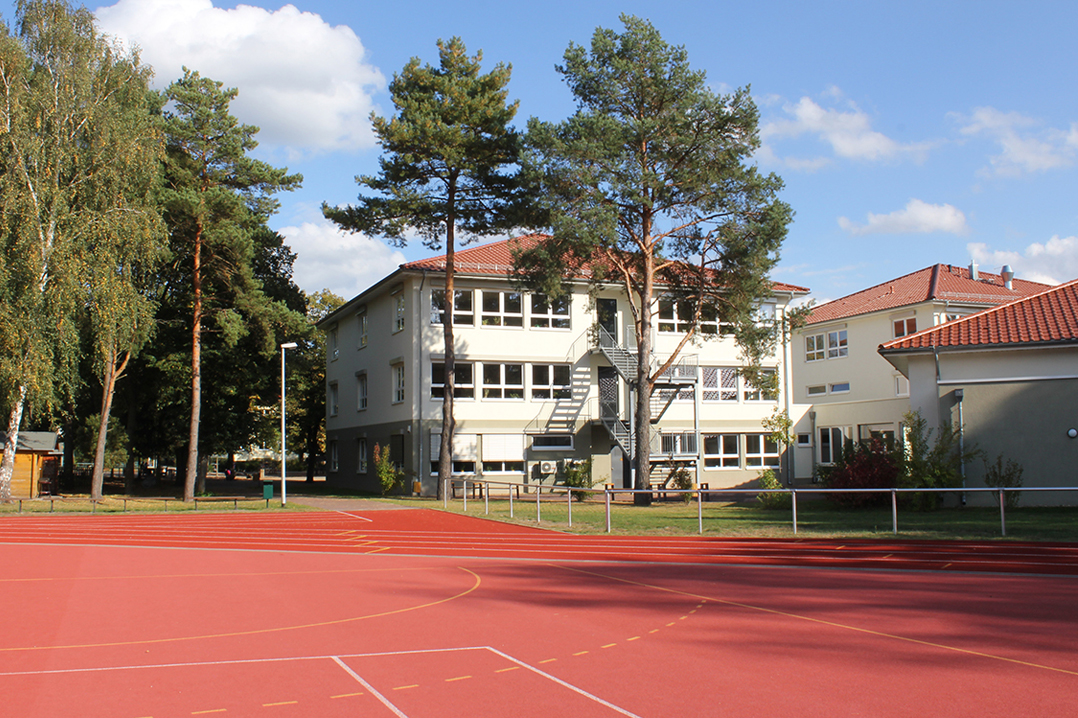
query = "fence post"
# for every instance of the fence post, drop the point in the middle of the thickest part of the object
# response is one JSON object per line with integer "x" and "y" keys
{"x": 445, "y": 494}
{"x": 894, "y": 511}
{"x": 700, "y": 511}
{"x": 486, "y": 499}
{"x": 1002, "y": 514}
{"x": 569, "y": 499}
{"x": 511, "y": 501}
{"x": 793, "y": 502}
{"x": 538, "y": 511}
{"x": 607, "y": 491}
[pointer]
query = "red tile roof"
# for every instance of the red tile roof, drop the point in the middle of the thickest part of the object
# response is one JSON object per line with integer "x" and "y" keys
{"x": 940, "y": 282}
{"x": 496, "y": 258}
{"x": 1050, "y": 317}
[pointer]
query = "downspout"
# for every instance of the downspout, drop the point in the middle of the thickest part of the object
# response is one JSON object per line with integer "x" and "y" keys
{"x": 960, "y": 395}
{"x": 787, "y": 389}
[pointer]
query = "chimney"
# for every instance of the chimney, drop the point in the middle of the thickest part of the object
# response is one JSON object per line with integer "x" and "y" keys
{"x": 973, "y": 273}
{"x": 1008, "y": 276}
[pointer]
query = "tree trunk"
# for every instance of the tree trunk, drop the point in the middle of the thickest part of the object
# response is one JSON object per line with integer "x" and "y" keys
{"x": 7, "y": 466}
{"x": 449, "y": 425}
{"x": 112, "y": 373}
{"x": 191, "y": 469}
{"x": 644, "y": 384}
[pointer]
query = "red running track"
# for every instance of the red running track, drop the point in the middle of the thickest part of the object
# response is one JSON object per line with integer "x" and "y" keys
{"x": 421, "y": 613}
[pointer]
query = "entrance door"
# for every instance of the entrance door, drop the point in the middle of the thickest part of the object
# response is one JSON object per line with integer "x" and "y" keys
{"x": 608, "y": 316}
{"x": 608, "y": 392}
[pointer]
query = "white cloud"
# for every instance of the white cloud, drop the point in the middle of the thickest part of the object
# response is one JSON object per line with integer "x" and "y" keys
{"x": 1025, "y": 146}
{"x": 302, "y": 81}
{"x": 327, "y": 258}
{"x": 848, "y": 131}
{"x": 1053, "y": 262}
{"x": 917, "y": 217}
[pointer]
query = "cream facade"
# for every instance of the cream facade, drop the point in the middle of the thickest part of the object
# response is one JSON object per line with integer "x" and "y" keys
{"x": 537, "y": 385}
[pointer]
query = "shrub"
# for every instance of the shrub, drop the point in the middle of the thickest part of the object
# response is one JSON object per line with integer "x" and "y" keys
{"x": 871, "y": 465}
{"x": 578, "y": 476}
{"x": 772, "y": 500}
{"x": 680, "y": 478}
{"x": 388, "y": 474}
{"x": 930, "y": 464}
{"x": 1007, "y": 476}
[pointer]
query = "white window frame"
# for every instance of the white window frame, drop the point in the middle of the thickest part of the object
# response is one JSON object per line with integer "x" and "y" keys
{"x": 903, "y": 327}
{"x": 814, "y": 348}
{"x": 500, "y": 316}
{"x": 546, "y": 316}
{"x": 503, "y": 454}
{"x": 464, "y": 453}
{"x": 816, "y": 390}
{"x": 804, "y": 440}
{"x": 398, "y": 321}
{"x": 334, "y": 398}
{"x": 463, "y": 307}
{"x": 551, "y": 389}
{"x": 362, "y": 388}
{"x": 761, "y": 458}
{"x": 753, "y": 394}
{"x": 838, "y": 345}
{"x": 717, "y": 454}
{"x": 399, "y": 384}
{"x": 498, "y": 388}
{"x": 463, "y": 384}
{"x": 361, "y": 321}
{"x": 902, "y": 385}
{"x": 827, "y": 436}
{"x": 361, "y": 455}
{"x": 839, "y": 387}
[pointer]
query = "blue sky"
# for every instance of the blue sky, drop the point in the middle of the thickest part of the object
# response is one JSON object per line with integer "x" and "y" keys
{"x": 907, "y": 133}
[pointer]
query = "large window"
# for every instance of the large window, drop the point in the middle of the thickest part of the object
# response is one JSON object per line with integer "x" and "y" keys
{"x": 361, "y": 321}
{"x": 464, "y": 450}
{"x": 334, "y": 399}
{"x": 683, "y": 442}
{"x": 398, "y": 321}
{"x": 752, "y": 393}
{"x": 720, "y": 383}
{"x": 830, "y": 345}
{"x": 722, "y": 451}
{"x": 814, "y": 347}
{"x": 551, "y": 381}
{"x": 503, "y": 454}
{"x": 761, "y": 450}
{"x": 831, "y": 443}
{"x": 398, "y": 383}
{"x": 549, "y": 313}
{"x": 502, "y": 309}
{"x": 503, "y": 381}
{"x": 463, "y": 311}
{"x": 836, "y": 344}
{"x": 463, "y": 380}
{"x": 675, "y": 316}
{"x": 361, "y": 391}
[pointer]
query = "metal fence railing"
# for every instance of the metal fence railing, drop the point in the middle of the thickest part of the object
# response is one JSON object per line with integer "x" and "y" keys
{"x": 592, "y": 507}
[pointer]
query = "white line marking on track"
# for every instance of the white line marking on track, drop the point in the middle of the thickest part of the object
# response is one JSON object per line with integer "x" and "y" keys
{"x": 385, "y": 701}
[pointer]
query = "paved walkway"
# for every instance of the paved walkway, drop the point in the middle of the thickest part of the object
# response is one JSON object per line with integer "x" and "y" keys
{"x": 333, "y": 504}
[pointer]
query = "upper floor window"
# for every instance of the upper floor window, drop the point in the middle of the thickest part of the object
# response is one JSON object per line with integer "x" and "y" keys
{"x": 903, "y": 327}
{"x": 361, "y": 320}
{"x": 678, "y": 315}
{"x": 463, "y": 311}
{"x": 836, "y": 344}
{"x": 333, "y": 345}
{"x": 398, "y": 383}
{"x": 550, "y": 381}
{"x": 720, "y": 383}
{"x": 814, "y": 347}
{"x": 361, "y": 392}
{"x": 549, "y": 313}
{"x": 503, "y": 381}
{"x": 463, "y": 380}
{"x": 502, "y": 309}
{"x": 398, "y": 322}
{"x": 752, "y": 393}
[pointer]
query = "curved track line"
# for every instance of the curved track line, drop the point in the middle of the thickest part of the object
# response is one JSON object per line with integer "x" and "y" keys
{"x": 278, "y": 629}
{"x": 821, "y": 621}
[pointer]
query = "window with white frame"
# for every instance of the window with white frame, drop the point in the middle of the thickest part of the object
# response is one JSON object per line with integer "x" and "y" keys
{"x": 464, "y": 451}
{"x": 841, "y": 387}
{"x": 398, "y": 321}
{"x": 814, "y": 347}
{"x": 902, "y": 385}
{"x": 361, "y": 321}
{"x": 334, "y": 399}
{"x": 463, "y": 311}
{"x": 761, "y": 450}
{"x": 552, "y": 442}
{"x": 334, "y": 459}
{"x": 398, "y": 383}
{"x": 752, "y": 393}
{"x": 361, "y": 455}
{"x": 551, "y": 381}
{"x": 837, "y": 344}
{"x": 503, "y": 381}
{"x": 675, "y": 315}
{"x": 333, "y": 345}
{"x": 463, "y": 380}
{"x": 502, "y": 309}
{"x": 682, "y": 442}
{"x": 677, "y": 375}
{"x": 719, "y": 383}
{"x": 831, "y": 442}
{"x": 503, "y": 453}
{"x": 816, "y": 390}
{"x": 361, "y": 391}
{"x": 804, "y": 440}
{"x": 549, "y": 313}
{"x": 722, "y": 451}
{"x": 902, "y": 327}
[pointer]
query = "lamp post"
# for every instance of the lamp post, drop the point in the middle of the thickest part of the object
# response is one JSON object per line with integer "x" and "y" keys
{"x": 284, "y": 481}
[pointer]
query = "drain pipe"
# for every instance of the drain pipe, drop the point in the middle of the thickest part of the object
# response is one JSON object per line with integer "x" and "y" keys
{"x": 959, "y": 394}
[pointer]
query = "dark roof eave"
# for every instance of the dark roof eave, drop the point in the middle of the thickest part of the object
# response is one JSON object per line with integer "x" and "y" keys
{"x": 977, "y": 347}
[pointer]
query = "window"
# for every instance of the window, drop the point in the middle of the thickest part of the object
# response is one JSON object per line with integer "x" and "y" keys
{"x": 361, "y": 392}
{"x": 503, "y": 454}
{"x": 464, "y": 452}
{"x": 832, "y": 439}
{"x": 463, "y": 312}
{"x": 333, "y": 458}
{"x": 549, "y": 313}
{"x": 361, "y": 320}
{"x": 720, "y": 383}
{"x": 722, "y": 451}
{"x": 503, "y": 381}
{"x": 680, "y": 443}
{"x": 463, "y": 380}
{"x": 551, "y": 381}
{"x": 361, "y": 456}
{"x": 398, "y": 323}
{"x": 839, "y": 388}
{"x": 752, "y": 393}
{"x": 502, "y": 309}
{"x": 804, "y": 440}
{"x": 334, "y": 399}
{"x": 836, "y": 344}
{"x": 503, "y": 467}
{"x": 817, "y": 390}
{"x": 334, "y": 343}
{"x": 761, "y": 450}
{"x": 552, "y": 442}
{"x": 685, "y": 375}
{"x": 903, "y": 327}
{"x": 398, "y": 383}
{"x": 902, "y": 386}
{"x": 675, "y": 316}
{"x": 814, "y": 350}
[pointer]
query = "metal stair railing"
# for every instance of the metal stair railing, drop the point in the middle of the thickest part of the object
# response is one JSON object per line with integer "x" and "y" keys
{"x": 623, "y": 360}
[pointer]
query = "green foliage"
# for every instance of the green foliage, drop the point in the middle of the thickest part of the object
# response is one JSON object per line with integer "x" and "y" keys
{"x": 679, "y": 478}
{"x": 870, "y": 465}
{"x": 779, "y": 425}
{"x": 116, "y": 446}
{"x": 1000, "y": 475}
{"x": 928, "y": 463}
{"x": 769, "y": 498}
{"x": 389, "y": 476}
{"x": 578, "y": 475}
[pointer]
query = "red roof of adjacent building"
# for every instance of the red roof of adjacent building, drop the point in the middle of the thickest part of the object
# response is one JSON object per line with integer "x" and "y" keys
{"x": 940, "y": 282}
{"x": 1050, "y": 317}
{"x": 496, "y": 258}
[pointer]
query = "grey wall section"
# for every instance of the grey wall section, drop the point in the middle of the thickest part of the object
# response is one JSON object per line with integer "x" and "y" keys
{"x": 347, "y": 438}
{"x": 1026, "y": 422}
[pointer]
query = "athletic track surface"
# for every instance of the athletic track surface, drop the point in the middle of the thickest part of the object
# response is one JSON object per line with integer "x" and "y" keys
{"x": 421, "y": 613}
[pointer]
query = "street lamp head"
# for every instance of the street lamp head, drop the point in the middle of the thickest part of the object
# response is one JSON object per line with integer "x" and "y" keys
{"x": 289, "y": 345}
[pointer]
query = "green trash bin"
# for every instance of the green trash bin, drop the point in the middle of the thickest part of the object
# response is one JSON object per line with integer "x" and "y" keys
{"x": 267, "y": 490}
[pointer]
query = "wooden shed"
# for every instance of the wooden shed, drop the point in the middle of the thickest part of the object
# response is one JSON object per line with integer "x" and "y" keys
{"x": 37, "y": 463}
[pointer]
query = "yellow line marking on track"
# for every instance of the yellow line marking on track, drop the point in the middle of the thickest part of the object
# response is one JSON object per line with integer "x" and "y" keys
{"x": 891, "y": 554}
{"x": 654, "y": 630}
{"x": 581, "y": 653}
{"x": 549, "y": 660}
{"x": 839, "y": 548}
{"x": 215, "y": 710}
{"x": 384, "y": 548}
{"x": 347, "y": 695}
{"x": 634, "y": 638}
{"x": 669, "y": 624}
{"x": 510, "y": 668}
{"x": 683, "y": 618}
{"x": 609, "y": 645}
{"x": 822, "y": 622}
{"x": 402, "y": 688}
{"x": 458, "y": 678}
{"x": 258, "y": 631}
{"x": 946, "y": 565}
{"x": 282, "y": 703}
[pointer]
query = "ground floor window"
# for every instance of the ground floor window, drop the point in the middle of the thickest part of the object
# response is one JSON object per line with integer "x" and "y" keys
{"x": 831, "y": 441}
{"x": 503, "y": 467}
{"x": 722, "y": 451}
{"x": 361, "y": 456}
{"x": 761, "y": 450}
